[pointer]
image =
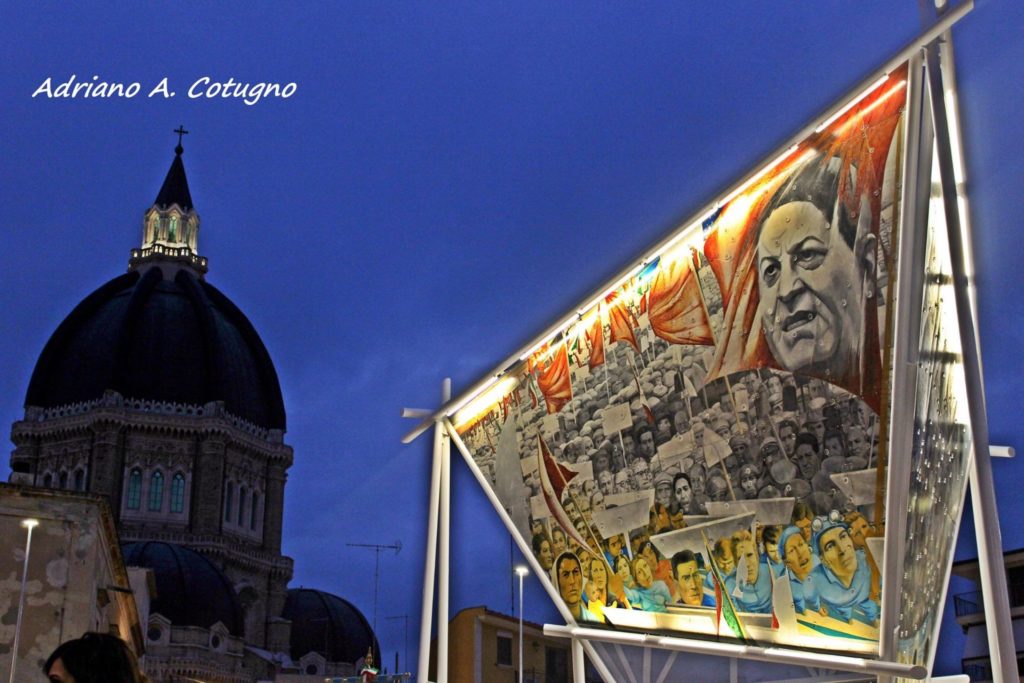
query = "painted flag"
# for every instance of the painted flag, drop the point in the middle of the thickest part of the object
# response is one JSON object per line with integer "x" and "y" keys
{"x": 554, "y": 381}
{"x": 675, "y": 304}
{"x": 554, "y": 477}
{"x": 724, "y": 608}
{"x": 595, "y": 340}
{"x": 621, "y": 320}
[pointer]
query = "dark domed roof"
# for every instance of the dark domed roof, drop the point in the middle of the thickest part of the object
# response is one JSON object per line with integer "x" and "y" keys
{"x": 320, "y": 619}
{"x": 162, "y": 339}
{"x": 190, "y": 590}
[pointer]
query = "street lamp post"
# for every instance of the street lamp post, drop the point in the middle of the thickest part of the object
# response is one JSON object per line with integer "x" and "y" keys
{"x": 29, "y": 524}
{"x": 521, "y": 571}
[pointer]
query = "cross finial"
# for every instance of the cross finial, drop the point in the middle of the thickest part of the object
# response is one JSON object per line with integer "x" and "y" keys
{"x": 180, "y": 131}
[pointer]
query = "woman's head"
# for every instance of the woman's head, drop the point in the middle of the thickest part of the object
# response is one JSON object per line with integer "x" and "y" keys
{"x": 93, "y": 658}
{"x": 598, "y": 573}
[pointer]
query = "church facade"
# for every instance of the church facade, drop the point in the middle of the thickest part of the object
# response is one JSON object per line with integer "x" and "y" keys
{"x": 157, "y": 392}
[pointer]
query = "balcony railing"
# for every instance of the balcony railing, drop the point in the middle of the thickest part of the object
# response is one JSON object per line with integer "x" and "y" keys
{"x": 966, "y": 604}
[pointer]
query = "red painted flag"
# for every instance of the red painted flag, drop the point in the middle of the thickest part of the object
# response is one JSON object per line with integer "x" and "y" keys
{"x": 595, "y": 341}
{"x": 554, "y": 478}
{"x": 621, "y": 320}
{"x": 554, "y": 381}
{"x": 676, "y": 309}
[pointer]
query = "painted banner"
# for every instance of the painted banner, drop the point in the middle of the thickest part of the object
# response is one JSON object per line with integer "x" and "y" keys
{"x": 730, "y": 418}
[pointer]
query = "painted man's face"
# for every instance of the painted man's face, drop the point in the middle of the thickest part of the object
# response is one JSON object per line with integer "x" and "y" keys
{"x": 837, "y": 552}
{"x": 690, "y": 583}
{"x": 683, "y": 493}
{"x": 798, "y": 556}
{"x": 811, "y": 289}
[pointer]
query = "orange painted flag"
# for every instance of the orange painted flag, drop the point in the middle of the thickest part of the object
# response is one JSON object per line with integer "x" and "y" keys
{"x": 554, "y": 380}
{"x": 621, "y": 320}
{"x": 675, "y": 309}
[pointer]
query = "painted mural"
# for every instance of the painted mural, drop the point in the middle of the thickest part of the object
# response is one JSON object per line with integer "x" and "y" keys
{"x": 702, "y": 449}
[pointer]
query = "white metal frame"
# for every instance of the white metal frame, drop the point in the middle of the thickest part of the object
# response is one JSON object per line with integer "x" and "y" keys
{"x": 940, "y": 121}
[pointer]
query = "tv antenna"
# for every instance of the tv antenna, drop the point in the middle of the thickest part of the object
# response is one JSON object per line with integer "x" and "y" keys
{"x": 377, "y": 548}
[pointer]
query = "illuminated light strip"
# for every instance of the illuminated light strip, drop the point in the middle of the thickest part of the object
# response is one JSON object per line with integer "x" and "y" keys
{"x": 777, "y": 655}
{"x": 484, "y": 400}
{"x": 871, "y": 107}
{"x": 760, "y": 174}
{"x": 832, "y": 119}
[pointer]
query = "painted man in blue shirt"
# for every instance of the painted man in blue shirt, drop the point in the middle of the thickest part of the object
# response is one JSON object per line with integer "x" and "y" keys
{"x": 843, "y": 579}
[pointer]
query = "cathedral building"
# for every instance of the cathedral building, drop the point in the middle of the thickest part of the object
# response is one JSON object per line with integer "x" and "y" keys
{"x": 157, "y": 392}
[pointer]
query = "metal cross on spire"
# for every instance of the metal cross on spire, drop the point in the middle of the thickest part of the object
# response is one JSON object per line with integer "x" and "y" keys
{"x": 180, "y": 131}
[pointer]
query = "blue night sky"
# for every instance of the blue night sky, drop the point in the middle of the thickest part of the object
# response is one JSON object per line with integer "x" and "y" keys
{"x": 447, "y": 180}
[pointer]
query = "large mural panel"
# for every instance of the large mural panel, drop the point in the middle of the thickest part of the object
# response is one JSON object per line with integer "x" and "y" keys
{"x": 698, "y": 451}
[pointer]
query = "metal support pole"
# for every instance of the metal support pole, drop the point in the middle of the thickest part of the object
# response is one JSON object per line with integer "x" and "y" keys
{"x": 578, "y": 669}
{"x": 443, "y": 536}
{"x": 423, "y": 661}
{"x": 996, "y": 598}
{"x": 522, "y": 572}
{"x": 29, "y": 524}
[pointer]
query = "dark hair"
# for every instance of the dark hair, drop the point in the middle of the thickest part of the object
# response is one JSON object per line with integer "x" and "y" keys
{"x": 771, "y": 534}
{"x": 538, "y": 542}
{"x": 682, "y": 557}
{"x": 97, "y": 658}
{"x": 567, "y": 555}
{"x": 806, "y": 438}
{"x": 817, "y": 181}
{"x": 801, "y": 510}
{"x": 681, "y": 475}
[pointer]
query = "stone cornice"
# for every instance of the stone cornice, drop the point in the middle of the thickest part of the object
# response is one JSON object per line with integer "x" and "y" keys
{"x": 156, "y": 417}
{"x": 251, "y": 557}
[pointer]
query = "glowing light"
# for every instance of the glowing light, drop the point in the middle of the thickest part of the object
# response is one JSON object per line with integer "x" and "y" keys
{"x": 30, "y": 523}
{"x": 522, "y": 570}
{"x": 760, "y": 174}
{"x": 871, "y": 107}
{"x": 832, "y": 119}
{"x": 483, "y": 401}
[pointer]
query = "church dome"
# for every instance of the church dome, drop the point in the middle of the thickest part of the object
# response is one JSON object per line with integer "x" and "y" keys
{"x": 160, "y": 336}
{"x": 190, "y": 590}
{"x": 321, "y": 621}
{"x": 160, "y": 332}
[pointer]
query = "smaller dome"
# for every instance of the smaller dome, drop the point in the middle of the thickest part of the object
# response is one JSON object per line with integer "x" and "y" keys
{"x": 190, "y": 590}
{"x": 324, "y": 622}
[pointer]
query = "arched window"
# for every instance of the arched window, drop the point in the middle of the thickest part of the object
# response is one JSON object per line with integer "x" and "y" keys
{"x": 156, "y": 491}
{"x": 229, "y": 501}
{"x": 134, "y": 489}
{"x": 79, "y": 480}
{"x": 241, "y": 507}
{"x": 48, "y": 480}
{"x": 172, "y": 231}
{"x": 178, "y": 493}
{"x": 253, "y": 510}
{"x": 63, "y": 480}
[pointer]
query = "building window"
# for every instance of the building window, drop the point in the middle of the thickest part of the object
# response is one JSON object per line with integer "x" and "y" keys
{"x": 252, "y": 510}
{"x": 229, "y": 501}
{"x": 504, "y": 650}
{"x": 241, "y": 507}
{"x": 79, "y": 480}
{"x": 178, "y": 493}
{"x": 134, "y": 489}
{"x": 156, "y": 491}
{"x": 48, "y": 480}
{"x": 63, "y": 480}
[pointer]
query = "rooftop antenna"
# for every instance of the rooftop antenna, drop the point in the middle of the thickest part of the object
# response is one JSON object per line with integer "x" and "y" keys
{"x": 377, "y": 549}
